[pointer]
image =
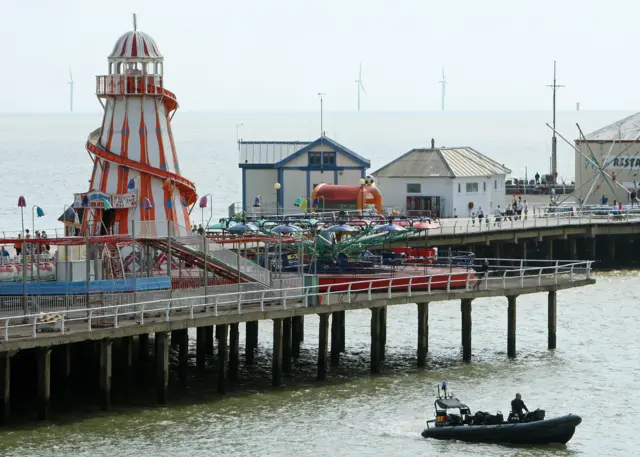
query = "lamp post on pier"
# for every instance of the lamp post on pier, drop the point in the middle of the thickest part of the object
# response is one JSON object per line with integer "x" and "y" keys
{"x": 362, "y": 181}
{"x": 277, "y": 186}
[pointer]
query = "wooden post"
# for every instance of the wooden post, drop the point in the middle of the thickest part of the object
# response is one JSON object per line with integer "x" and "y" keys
{"x": 287, "y": 352}
{"x": 127, "y": 360}
{"x": 423, "y": 333}
{"x": 524, "y": 249}
{"x": 106, "y": 351}
{"x": 383, "y": 332}
{"x": 251, "y": 330}
{"x": 335, "y": 338}
{"x": 323, "y": 342}
{"x": 376, "y": 356}
{"x": 234, "y": 348}
{"x": 551, "y": 319}
{"x": 43, "y": 356}
{"x": 465, "y": 307}
{"x": 5, "y": 387}
{"x": 175, "y": 338}
{"x": 182, "y": 337}
{"x": 162, "y": 366}
{"x": 511, "y": 326}
{"x": 296, "y": 335}
{"x": 208, "y": 335}
{"x": 549, "y": 248}
{"x": 143, "y": 356}
{"x": 276, "y": 368}
{"x": 342, "y": 330}
{"x": 200, "y": 348}
{"x": 223, "y": 356}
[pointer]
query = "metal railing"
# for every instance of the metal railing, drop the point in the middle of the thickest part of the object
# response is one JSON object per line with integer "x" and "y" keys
{"x": 244, "y": 301}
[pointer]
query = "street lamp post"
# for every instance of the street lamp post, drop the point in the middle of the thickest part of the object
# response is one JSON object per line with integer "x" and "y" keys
{"x": 362, "y": 181}
{"x": 277, "y": 186}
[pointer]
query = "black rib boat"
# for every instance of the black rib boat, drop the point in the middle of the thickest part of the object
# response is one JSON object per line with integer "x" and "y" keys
{"x": 483, "y": 428}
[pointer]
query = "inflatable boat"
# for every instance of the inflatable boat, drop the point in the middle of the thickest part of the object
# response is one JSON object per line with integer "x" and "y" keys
{"x": 484, "y": 428}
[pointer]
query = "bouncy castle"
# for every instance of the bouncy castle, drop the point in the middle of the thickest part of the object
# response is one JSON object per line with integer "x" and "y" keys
{"x": 332, "y": 197}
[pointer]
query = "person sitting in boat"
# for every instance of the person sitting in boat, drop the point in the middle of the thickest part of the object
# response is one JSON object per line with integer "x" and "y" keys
{"x": 517, "y": 406}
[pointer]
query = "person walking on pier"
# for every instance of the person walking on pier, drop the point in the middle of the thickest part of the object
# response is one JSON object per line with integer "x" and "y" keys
{"x": 485, "y": 274}
{"x": 517, "y": 406}
{"x": 525, "y": 208}
{"x": 498, "y": 215}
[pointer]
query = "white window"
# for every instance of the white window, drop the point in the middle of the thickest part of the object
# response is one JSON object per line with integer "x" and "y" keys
{"x": 413, "y": 188}
{"x": 484, "y": 186}
{"x": 472, "y": 187}
{"x": 459, "y": 187}
{"x": 495, "y": 184}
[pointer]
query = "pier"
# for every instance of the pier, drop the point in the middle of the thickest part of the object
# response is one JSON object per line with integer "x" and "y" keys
{"x": 92, "y": 336}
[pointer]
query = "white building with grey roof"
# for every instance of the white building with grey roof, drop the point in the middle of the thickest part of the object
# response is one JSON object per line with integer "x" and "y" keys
{"x": 442, "y": 182}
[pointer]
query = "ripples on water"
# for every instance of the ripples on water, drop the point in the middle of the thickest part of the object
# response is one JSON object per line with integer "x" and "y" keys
{"x": 593, "y": 373}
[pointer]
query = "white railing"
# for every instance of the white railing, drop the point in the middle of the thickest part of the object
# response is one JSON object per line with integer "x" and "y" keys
{"x": 505, "y": 280}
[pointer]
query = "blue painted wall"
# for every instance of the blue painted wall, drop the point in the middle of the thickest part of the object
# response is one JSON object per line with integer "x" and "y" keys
{"x": 80, "y": 287}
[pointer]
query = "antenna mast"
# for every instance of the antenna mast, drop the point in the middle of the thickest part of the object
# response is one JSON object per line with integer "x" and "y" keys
{"x": 70, "y": 90}
{"x": 554, "y": 154}
{"x": 443, "y": 82}
{"x": 321, "y": 94}
{"x": 135, "y": 22}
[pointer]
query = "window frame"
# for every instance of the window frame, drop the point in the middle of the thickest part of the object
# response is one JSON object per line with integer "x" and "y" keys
{"x": 469, "y": 185}
{"x": 414, "y": 191}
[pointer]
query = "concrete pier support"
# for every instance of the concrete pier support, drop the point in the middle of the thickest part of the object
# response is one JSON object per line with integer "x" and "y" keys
{"x": 143, "y": 356}
{"x": 127, "y": 360}
{"x": 222, "y": 332}
{"x": 276, "y": 369}
{"x": 182, "y": 340}
{"x": 423, "y": 333}
{"x": 343, "y": 315}
{"x": 376, "y": 340}
{"x": 43, "y": 360}
{"x": 335, "y": 338}
{"x": 162, "y": 366}
{"x": 465, "y": 308}
{"x": 5, "y": 387}
{"x": 297, "y": 333}
{"x": 523, "y": 243}
{"x": 251, "y": 344}
{"x": 234, "y": 349}
{"x": 551, "y": 319}
{"x": 323, "y": 342}
{"x": 287, "y": 351}
{"x": 201, "y": 336}
{"x": 511, "y": 326}
{"x": 175, "y": 338}
{"x": 549, "y": 248}
{"x": 106, "y": 360}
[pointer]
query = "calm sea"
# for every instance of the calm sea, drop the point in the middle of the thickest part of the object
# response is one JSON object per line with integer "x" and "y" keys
{"x": 44, "y": 158}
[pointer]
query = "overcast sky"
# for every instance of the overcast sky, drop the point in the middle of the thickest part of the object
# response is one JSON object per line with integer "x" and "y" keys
{"x": 276, "y": 55}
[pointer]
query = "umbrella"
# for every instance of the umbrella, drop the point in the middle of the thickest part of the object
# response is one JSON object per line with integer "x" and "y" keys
{"x": 298, "y": 202}
{"x": 221, "y": 225}
{"x": 132, "y": 184}
{"x": 39, "y": 211}
{"x": 107, "y": 205}
{"x": 256, "y": 202}
{"x": 85, "y": 201}
{"x": 389, "y": 228}
{"x": 303, "y": 205}
{"x": 288, "y": 228}
{"x": 341, "y": 228}
{"x": 241, "y": 228}
{"x": 146, "y": 203}
{"x": 203, "y": 202}
{"x": 22, "y": 203}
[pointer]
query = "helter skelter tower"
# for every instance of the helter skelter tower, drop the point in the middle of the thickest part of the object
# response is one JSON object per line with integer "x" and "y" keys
{"x": 135, "y": 158}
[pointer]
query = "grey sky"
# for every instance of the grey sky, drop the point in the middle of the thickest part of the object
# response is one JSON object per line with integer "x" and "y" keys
{"x": 277, "y": 55}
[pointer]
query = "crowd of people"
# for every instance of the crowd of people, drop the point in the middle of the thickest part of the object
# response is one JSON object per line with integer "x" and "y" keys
{"x": 517, "y": 210}
{"x": 30, "y": 248}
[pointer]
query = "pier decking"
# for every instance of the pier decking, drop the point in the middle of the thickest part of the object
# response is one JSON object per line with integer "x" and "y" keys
{"x": 286, "y": 307}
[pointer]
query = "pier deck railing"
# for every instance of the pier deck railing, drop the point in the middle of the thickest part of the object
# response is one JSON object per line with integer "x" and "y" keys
{"x": 437, "y": 286}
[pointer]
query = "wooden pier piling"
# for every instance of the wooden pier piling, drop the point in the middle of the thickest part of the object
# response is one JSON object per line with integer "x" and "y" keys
{"x": 127, "y": 361}
{"x": 511, "y": 326}
{"x": 343, "y": 319}
{"x": 251, "y": 342}
{"x": 551, "y": 319}
{"x": 143, "y": 356}
{"x": 106, "y": 362}
{"x": 276, "y": 371}
{"x": 465, "y": 307}
{"x": 376, "y": 341}
{"x": 201, "y": 336}
{"x": 162, "y": 366}
{"x": 234, "y": 349}
{"x": 222, "y": 332}
{"x": 423, "y": 333}
{"x": 208, "y": 339}
{"x": 43, "y": 361}
{"x": 182, "y": 339}
{"x": 5, "y": 387}
{"x": 297, "y": 329}
{"x": 287, "y": 351}
{"x": 383, "y": 333}
{"x": 335, "y": 338}
{"x": 323, "y": 342}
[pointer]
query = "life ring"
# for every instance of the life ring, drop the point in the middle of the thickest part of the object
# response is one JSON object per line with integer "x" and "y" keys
{"x": 470, "y": 205}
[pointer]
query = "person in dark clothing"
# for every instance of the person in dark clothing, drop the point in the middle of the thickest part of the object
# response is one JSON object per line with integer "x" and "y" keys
{"x": 485, "y": 274}
{"x": 517, "y": 406}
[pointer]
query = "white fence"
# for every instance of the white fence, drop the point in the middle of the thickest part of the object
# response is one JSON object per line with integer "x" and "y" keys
{"x": 500, "y": 277}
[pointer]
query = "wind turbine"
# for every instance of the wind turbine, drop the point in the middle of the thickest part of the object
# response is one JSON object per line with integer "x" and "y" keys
{"x": 443, "y": 83}
{"x": 70, "y": 90}
{"x": 360, "y": 85}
